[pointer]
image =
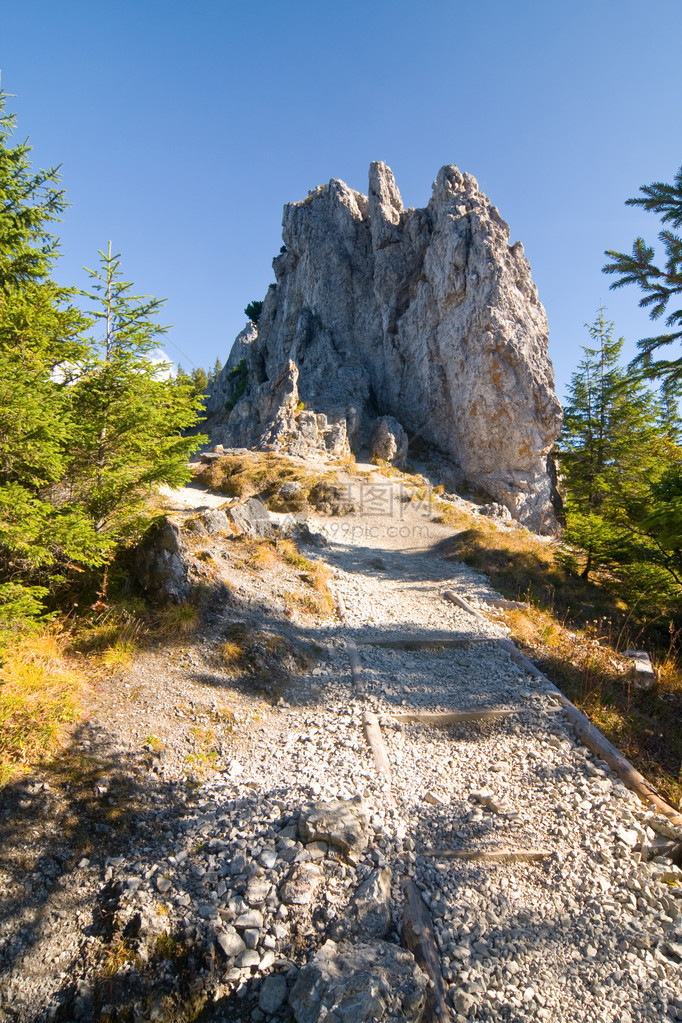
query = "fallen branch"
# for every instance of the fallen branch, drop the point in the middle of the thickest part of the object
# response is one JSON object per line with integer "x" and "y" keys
{"x": 455, "y": 598}
{"x": 490, "y": 855}
{"x": 598, "y": 743}
{"x": 456, "y": 717}
{"x": 418, "y": 936}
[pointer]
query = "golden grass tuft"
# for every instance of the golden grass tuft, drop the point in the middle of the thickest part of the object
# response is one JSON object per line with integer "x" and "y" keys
{"x": 264, "y": 556}
{"x": 119, "y": 656}
{"x": 39, "y": 698}
{"x": 290, "y": 553}
{"x": 232, "y": 653}
{"x": 179, "y": 620}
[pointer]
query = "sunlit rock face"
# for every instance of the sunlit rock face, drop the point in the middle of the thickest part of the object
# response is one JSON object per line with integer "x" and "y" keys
{"x": 426, "y": 315}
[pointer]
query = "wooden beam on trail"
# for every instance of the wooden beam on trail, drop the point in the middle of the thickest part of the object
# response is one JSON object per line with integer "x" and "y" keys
{"x": 419, "y": 937}
{"x": 340, "y": 607}
{"x": 355, "y": 662}
{"x": 425, "y": 642}
{"x": 489, "y": 855}
{"x": 456, "y": 717}
{"x": 508, "y": 605}
{"x": 598, "y": 743}
{"x": 455, "y": 598}
{"x": 375, "y": 742}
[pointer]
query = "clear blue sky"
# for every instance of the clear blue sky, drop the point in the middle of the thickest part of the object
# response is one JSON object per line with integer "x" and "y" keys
{"x": 183, "y": 128}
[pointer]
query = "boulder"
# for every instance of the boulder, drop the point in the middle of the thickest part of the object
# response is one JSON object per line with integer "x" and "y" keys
{"x": 369, "y": 982}
{"x": 273, "y": 993}
{"x": 215, "y": 521}
{"x": 642, "y": 670}
{"x": 300, "y": 883}
{"x": 161, "y": 567}
{"x": 428, "y": 316}
{"x": 342, "y": 823}
{"x": 251, "y": 517}
{"x": 369, "y": 913}
{"x": 496, "y": 511}
{"x": 389, "y": 442}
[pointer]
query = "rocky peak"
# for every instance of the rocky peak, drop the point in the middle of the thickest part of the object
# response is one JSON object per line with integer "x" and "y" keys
{"x": 428, "y": 316}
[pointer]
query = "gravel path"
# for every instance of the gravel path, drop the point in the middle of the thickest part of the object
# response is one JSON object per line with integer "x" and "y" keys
{"x": 592, "y": 932}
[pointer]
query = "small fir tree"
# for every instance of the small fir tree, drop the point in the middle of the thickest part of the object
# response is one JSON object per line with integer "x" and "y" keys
{"x": 613, "y": 449}
{"x": 129, "y": 420}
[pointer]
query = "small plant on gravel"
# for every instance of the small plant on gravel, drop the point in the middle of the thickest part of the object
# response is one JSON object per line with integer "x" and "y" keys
{"x": 263, "y": 557}
{"x": 290, "y": 553}
{"x": 167, "y": 946}
{"x": 119, "y": 655}
{"x": 319, "y": 604}
{"x": 233, "y": 654}
{"x": 119, "y": 956}
{"x": 179, "y": 619}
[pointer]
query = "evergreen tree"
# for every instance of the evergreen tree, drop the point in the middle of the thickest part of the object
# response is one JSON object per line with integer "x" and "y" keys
{"x": 199, "y": 380}
{"x": 216, "y": 369}
{"x": 129, "y": 421}
{"x": 661, "y": 284}
{"x": 40, "y": 344}
{"x": 254, "y": 309}
{"x": 613, "y": 450}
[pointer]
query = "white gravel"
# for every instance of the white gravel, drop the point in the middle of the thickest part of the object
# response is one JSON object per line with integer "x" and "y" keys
{"x": 592, "y": 933}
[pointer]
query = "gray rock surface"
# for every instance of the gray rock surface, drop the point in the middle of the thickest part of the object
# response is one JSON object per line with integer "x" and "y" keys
{"x": 371, "y": 982}
{"x": 161, "y": 567}
{"x": 369, "y": 912}
{"x": 389, "y": 442}
{"x": 425, "y": 315}
{"x": 251, "y": 517}
{"x": 272, "y": 993}
{"x": 342, "y": 823}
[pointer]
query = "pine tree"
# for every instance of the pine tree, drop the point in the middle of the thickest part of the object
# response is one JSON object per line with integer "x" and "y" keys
{"x": 661, "y": 284}
{"x": 129, "y": 420}
{"x": 199, "y": 380}
{"x": 613, "y": 449}
{"x": 40, "y": 343}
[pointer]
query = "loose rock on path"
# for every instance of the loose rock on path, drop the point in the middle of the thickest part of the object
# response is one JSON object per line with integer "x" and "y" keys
{"x": 222, "y": 891}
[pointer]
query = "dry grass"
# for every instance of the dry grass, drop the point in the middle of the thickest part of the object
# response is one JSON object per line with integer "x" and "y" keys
{"x": 290, "y": 553}
{"x": 261, "y": 475}
{"x": 119, "y": 656}
{"x": 179, "y": 620}
{"x": 233, "y": 654}
{"x": 645, "y": 725}
{"x": 320, "y": 605}
{"x": 264, "y": 556}
{"x": 39, "y": 698}
{"x": 576, "y": 630}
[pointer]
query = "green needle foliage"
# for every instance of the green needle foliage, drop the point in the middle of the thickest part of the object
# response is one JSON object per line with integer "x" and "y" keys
{"x": 661, "y": 284}
{"x": 621, "y": 465}
{"x": 128, "y": 415}
{"x": 40, "y": 343}
{"x": 88, "y": 424}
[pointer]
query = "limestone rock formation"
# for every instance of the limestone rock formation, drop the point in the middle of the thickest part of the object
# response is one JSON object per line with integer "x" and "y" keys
{"x": 426, "y": 315}
{"x": 161, "y": 567}
{"x": 367, "y": 982}
{"x": 389, "y": 442}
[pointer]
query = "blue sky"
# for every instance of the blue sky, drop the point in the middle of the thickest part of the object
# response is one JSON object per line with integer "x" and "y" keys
{"x": 183, "y": 128}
